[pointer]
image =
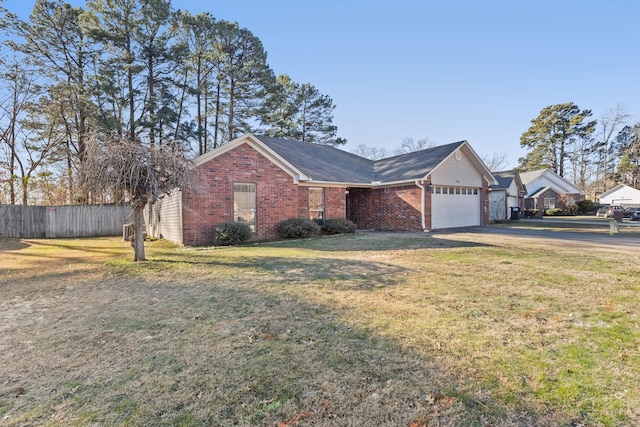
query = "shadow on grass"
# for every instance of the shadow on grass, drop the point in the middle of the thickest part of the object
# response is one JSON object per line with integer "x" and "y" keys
{"x": 341, "y": 273}
{"x": 373, "y": 241}
{"x": 91, "y": 245}
{"x": 229, "y": 354}
{"x": 12, "y": 244}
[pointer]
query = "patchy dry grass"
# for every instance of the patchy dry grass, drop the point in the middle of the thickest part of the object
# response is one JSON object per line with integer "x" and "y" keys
{"x": 365, "y": 329}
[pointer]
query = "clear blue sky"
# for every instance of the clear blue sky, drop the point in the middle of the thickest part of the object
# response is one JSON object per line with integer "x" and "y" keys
{"x": 445, "y": 70}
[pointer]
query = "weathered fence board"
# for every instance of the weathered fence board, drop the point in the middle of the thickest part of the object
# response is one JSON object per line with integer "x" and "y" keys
{"x": 63, "y": 221}
{"x": 22, "y": 221}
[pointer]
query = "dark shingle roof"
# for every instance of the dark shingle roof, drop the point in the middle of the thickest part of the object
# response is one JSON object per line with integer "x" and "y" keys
{"x": 322, "y": 162}
{"x": 414, "y": 165}
{"x": 504, "y": 179}
{"x": 329, "y": 164}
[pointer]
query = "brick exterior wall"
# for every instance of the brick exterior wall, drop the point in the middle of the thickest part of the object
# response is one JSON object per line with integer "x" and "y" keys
{"x": 210, "y": 202}
{"x": 335, "y": 203}
{"x": 395, "y": 208}
{"x": 563, "y": 201}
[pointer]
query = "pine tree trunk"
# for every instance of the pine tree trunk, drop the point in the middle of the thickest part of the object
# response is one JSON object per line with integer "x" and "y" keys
{"x": 138, "y": 235}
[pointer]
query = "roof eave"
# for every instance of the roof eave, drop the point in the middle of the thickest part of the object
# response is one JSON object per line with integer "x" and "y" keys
{"x": 259, "y": 146}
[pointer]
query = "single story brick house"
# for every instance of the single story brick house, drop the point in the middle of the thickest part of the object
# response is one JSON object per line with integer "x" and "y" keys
{"x": 262, "y": 181}
{"x": 548, "y": 190}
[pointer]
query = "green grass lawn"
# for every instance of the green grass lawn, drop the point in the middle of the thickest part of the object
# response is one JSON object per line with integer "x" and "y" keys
{"x": 366, "y": 329}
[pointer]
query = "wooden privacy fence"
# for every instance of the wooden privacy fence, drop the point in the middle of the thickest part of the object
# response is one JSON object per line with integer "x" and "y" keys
{"x": 63, "y": 221}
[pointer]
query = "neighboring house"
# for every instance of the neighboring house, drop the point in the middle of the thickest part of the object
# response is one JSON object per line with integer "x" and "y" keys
{"x": 622, "y": 195}
{"x": 508, "y": 193}
{"x": 548, "y": 190}
{"x": 262, "y": 181}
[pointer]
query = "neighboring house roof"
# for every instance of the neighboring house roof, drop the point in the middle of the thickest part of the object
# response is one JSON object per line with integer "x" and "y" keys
{"x": 311, "y": 162}
{"x": 621, "y": 194}
{"x": 539, "y": 191}
{"x": 547, "y": 178}
{"x": 506, "y": 178}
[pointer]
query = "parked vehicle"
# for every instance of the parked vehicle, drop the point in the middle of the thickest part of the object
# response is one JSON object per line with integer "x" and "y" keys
{"x": 632, "y": 213}
{"x": 611, "y": 210}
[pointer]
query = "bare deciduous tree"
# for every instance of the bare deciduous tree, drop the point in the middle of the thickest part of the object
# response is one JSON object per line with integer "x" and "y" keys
{"x": 371, "y": 153}
{"x": 496, "y": 161}
{"x": 410, "y": 145}
{"x": 121, "y": 166}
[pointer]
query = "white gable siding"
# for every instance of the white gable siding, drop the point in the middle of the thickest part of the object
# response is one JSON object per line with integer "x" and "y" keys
{"x": 456, "y": 172}
{"x": 537, "y": 180}
{"x": 538, "y": 183}
{"x": 512, "y": 197}
{"x": 164, "y": 218}
{"x": 624, "y": 195}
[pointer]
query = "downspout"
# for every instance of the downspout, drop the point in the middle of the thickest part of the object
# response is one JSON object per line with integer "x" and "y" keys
{"x": 422, "y": 203}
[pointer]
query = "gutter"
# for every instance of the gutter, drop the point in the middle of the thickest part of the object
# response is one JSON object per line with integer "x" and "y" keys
{"x": 422, "y": 204}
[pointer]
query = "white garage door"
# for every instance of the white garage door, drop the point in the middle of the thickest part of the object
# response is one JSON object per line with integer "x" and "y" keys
{"x": 455, "y": 207}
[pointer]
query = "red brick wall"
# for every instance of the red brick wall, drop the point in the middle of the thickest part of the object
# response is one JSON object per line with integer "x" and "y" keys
{"x": 335, "y": 202}
{"x": 211, "y": 202}
{"x": 396, "y": 208}
{"x": 277, "y": 196}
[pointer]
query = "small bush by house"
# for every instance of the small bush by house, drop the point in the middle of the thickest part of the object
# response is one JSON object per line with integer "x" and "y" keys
{"x": 553, "y": 212}
{"x": 339, "y": 226}
{"x": 297, "y": 228}
{"x": 529, "y": 213}
{"x": 231, "y": 233}
{"x": 584, "y": 207}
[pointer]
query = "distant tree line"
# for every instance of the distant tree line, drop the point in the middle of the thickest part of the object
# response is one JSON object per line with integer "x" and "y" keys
{"x": 595, "y": 154}
{"x": 137, "y": 70}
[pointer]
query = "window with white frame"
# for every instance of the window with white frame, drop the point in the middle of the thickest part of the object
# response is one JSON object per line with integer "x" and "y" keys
{"x": 316, "y": 204}
{"x": 549, "y": 201}
{"x": 244, "y": 204}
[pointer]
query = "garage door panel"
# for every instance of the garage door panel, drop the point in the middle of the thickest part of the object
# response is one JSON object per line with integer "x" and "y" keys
{"x": 455, "y": 210}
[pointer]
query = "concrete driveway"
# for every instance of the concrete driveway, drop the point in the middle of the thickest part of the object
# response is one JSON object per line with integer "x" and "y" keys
{"x": 571, "y": 237}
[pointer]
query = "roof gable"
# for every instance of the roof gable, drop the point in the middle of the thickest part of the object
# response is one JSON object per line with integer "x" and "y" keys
{"x": 412, "y": 166}
{"x": 546, "y": 177}
{"x": 542, "y": 190}
{"x": 621, "y": 193}
{"x": 310, "y": 162}
{"x": 506, "y": 179}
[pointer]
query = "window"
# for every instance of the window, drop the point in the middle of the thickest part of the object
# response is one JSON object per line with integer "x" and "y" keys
{"x": 244, "y": 204}
{"x": 316, "y": 205}
{"x": 438, "y": 190}
{"x": 549, "y": 201}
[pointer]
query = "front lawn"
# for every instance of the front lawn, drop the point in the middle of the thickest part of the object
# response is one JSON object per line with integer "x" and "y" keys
{"x": 366, "y": 329}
